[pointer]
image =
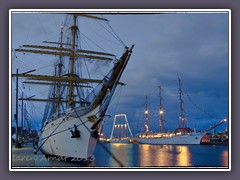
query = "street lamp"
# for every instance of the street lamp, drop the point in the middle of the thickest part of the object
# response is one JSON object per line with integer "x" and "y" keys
{"x": 18, "y": 145}
{"x": 22, "y": 120}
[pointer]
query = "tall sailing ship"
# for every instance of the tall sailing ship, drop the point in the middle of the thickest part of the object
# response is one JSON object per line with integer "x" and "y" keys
{"x": 73, "y": 117}
{"x": 182, "y": 135}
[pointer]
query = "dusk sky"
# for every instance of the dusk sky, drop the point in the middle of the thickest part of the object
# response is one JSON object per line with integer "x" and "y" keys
{"x": 190, "y": 45}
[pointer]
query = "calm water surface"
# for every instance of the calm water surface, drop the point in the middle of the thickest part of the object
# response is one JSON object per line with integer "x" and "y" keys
{"x": 157, "y": 156}
{"x": 137, "y": 155}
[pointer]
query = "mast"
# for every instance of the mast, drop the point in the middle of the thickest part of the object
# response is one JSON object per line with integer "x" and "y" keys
{"x": 22, "y": 120}
{"x": 16, "y": 115}
{"x": 57, "y": 84}
{"x": 54, "y": 93}
{"x": 181, "y": 115}
{"x": 59, "y": 74}
{"x": 161, "y": 110}
{"x": 146, "y": 115}
{"x": 72, "y": 59}
{"x": 71, "y": 80}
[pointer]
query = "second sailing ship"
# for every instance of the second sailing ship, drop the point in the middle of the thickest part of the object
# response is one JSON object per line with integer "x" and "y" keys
{"x": 182, "y": 135}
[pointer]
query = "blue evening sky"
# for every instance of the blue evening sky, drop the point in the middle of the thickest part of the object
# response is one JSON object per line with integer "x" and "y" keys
{"x": 191, "y": 45}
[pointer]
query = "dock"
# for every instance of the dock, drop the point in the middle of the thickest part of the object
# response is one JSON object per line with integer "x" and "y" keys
{"x": 25, "y": 157}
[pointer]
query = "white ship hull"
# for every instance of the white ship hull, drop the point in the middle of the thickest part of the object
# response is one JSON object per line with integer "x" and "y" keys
{"x": 56, "y": 138}
{"x": 184, "y": 139}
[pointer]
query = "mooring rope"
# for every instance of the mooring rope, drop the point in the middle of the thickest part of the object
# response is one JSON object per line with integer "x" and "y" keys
{"x": 104, "y": 147}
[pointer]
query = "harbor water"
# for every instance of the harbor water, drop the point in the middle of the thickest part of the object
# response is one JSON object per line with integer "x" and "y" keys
{"x": 141, "y": 155}
{"x": 113, "y": 155}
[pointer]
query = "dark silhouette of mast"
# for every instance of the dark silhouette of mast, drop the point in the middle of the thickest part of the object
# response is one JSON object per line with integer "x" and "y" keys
{"x": 181, "y": 115}
{"x": 146, "y": 115}
{"x": 72, "y": 59}
{"x": 161, "y": 110}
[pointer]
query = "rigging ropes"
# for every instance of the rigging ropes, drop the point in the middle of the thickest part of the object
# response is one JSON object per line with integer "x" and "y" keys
{"x": 114, "y": 34}
{"x": 199, "y": 108}
{"x": 119, "y": 93}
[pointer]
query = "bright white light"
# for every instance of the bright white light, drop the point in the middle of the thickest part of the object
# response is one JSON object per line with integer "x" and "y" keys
{"x": 225, "y": 120}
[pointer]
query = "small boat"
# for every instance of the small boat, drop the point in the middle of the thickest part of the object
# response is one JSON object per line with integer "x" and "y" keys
{"x": 216, "y": 139}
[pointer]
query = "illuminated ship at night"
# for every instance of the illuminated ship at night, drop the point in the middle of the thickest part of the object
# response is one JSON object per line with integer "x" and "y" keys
{"x": 181, "y": 135}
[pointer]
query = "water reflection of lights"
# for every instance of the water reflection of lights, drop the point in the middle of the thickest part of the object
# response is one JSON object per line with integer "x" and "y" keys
{"x": 122, "y": 152}
{"x": 224, "y": 158}
{"x": 155, "y": 156}
{"x": 183, "y": 156}
{"x": 164, "y": 156}
{"x": 144, "y": 155}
